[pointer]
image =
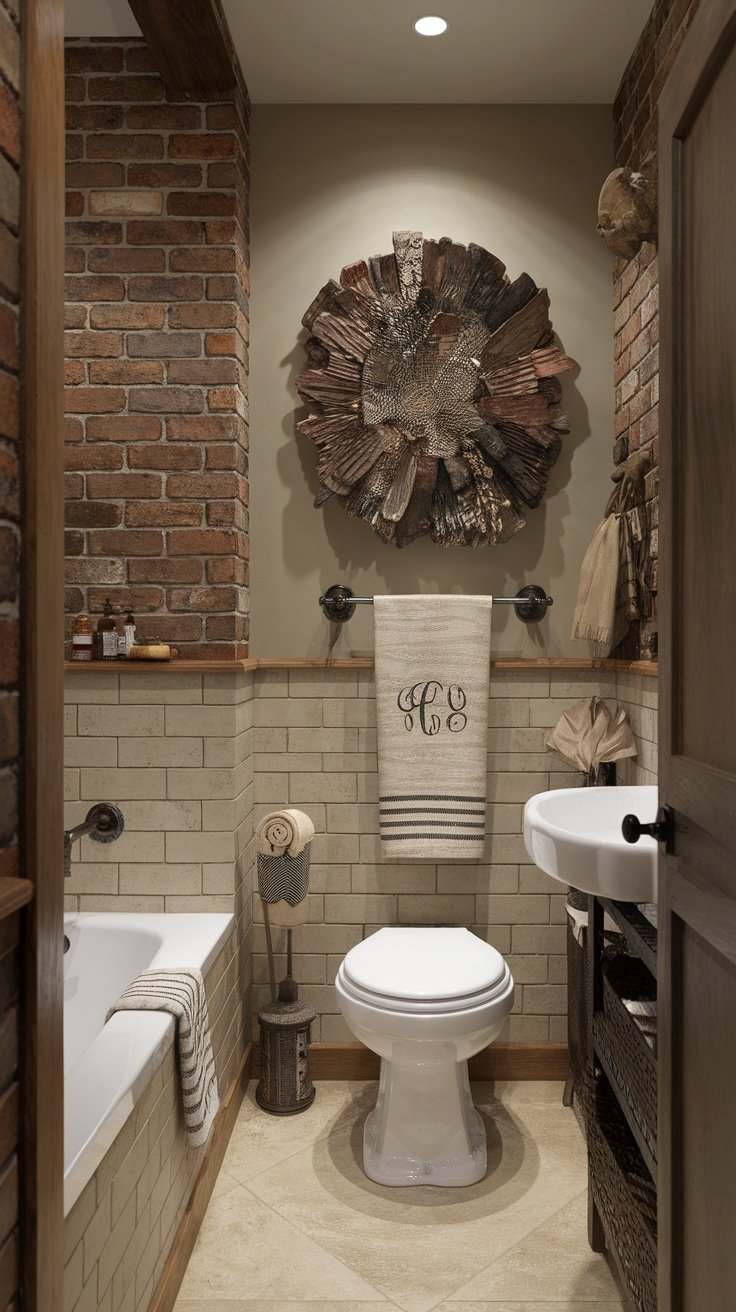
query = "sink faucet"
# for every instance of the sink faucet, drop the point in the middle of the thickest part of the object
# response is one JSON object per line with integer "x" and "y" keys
{"x": 103, "y": 822}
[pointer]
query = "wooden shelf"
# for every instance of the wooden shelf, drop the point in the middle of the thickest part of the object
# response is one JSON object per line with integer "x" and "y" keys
{"x": 14, "y": 894}
{"x": 158, "y": 667}
{"x": 646, "y": 668}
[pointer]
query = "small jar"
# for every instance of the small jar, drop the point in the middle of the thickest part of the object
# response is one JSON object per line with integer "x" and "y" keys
{"x": 82, "y": 639}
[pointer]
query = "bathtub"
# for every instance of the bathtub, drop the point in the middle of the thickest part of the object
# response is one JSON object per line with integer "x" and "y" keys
{"x": 107, "y": 1066}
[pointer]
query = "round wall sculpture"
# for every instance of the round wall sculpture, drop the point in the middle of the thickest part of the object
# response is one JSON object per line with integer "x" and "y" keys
{"x": 432, "y": 392}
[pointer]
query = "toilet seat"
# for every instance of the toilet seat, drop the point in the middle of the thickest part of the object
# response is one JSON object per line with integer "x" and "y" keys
{"x": 418, "y": 971}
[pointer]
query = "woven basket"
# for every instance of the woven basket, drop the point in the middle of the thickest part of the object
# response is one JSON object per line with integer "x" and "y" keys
{"x": 625, "y": 1196}
{"x": 627, "y": 1043}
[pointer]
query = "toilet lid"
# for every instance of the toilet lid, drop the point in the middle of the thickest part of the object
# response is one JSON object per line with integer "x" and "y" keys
{"x": 425, "y": 965}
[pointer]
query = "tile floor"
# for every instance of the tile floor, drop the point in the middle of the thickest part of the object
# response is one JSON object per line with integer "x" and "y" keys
{"x": 294, "y": 1226}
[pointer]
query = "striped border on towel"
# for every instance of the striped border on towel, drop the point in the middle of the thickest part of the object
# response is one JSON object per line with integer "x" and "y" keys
{"x": 458, "y": 818}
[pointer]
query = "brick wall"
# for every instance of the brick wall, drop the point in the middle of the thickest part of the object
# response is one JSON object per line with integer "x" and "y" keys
{"x": 156, "y": 352}
{"x": 635, "y": 282}
{"x": 10, "y": 546}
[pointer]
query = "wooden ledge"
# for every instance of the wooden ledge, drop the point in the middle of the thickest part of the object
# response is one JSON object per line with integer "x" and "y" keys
{"x": 647, "y": 668}
{"x": 14, "y": 894}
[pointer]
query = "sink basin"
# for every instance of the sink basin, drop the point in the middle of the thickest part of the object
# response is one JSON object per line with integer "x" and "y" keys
{"x": 574, "y": 835}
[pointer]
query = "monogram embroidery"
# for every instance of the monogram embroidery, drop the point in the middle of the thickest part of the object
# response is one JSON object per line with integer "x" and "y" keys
{"x": 420, "y": 697}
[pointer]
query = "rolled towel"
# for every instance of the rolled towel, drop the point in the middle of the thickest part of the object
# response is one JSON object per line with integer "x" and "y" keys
{"x": 284, "y": 832}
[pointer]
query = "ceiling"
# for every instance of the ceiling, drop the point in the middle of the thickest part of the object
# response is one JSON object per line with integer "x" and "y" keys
{"x": 366, "y": 51}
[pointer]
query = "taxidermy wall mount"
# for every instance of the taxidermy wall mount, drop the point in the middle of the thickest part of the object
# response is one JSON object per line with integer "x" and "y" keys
{"x": 432, "y": 393}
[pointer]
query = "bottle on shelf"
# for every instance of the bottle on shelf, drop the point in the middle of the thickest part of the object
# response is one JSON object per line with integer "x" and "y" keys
{"x": 107, "y": 634}
{"x": 82, "y": 639}
{"x": 129, "y": 632}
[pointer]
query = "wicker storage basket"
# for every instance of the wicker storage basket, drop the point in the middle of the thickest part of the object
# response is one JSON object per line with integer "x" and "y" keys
{"x": 625, "y": 1196}
{"x": 627, "y": 1043}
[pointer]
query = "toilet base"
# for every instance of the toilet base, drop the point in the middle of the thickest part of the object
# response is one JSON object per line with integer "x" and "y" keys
{"x": 424, "y": 1128}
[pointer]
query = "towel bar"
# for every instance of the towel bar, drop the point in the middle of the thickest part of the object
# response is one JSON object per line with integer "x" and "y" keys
{"x": 530, "y": 603}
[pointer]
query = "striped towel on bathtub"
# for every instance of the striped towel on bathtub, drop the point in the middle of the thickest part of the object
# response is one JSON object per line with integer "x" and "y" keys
{"x": 432, "y": 673}
{"x": 181, "y": 993}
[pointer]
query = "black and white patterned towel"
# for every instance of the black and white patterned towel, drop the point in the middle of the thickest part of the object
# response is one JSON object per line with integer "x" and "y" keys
{"x": 181, "y": 993}
{"x": 432, "y": 670}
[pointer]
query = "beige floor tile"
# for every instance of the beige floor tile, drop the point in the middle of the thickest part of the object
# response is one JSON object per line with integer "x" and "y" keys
{"x": 260, "y": 1141}
{"x": 553, "y": 1263}
{"x": 418, "y": 1245}
{"x": 243, "y": 1245}
{"x": 513, "y": 1093}
{"x": 505, "y": 1306}
{"x": 223, "y": 1184}
{"x": 267, "y": 1305}
{"x": 546, "y": 1121}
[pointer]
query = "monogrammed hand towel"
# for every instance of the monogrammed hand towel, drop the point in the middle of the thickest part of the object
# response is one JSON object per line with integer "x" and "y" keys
{"x": 432, "y": 669}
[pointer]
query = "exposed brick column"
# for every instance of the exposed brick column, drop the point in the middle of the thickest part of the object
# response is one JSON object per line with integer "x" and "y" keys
{"x": 635, "y": 282}
{"x": 157, "y": 352}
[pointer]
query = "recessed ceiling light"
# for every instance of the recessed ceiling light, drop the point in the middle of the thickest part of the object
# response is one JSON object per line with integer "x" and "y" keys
{"x": 432, "y": 25}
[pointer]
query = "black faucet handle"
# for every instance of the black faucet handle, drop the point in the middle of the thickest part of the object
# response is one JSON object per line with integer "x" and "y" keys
{"x": 661, "y": 828}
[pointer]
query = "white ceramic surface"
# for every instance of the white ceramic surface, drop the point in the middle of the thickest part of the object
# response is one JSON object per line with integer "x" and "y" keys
{"x": 424, "y": 1128}
{"x": 424, "y": 965}
{"x": 107, "y": 1066}
{"x": 574, "y": 835}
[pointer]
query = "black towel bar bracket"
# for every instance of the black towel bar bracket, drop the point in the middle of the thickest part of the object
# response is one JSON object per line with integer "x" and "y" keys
{"x": 530, "y": 603}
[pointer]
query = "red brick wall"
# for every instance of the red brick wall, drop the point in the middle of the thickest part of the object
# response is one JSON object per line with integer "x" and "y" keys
{"x": 156, "y": 352}
{"x": 635, "y": 285}
{"x": 10, "y": 601}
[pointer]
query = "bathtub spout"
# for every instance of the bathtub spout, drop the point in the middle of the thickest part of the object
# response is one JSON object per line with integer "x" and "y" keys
{"x": 103, "y": 822}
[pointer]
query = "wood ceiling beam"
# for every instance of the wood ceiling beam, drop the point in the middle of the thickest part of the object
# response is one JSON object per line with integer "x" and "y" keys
{"x": 190, "y": 41}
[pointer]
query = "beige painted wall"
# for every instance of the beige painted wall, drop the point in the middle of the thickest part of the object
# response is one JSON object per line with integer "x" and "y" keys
{"x": 329, "y": 185}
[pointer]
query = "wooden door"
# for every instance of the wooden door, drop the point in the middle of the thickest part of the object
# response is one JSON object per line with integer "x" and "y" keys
{"x": 697, "y": 875}
{"x": 42, "y": 823}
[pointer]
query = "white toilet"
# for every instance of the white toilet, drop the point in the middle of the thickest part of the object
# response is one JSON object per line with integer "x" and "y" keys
{"x": 425, "y": 1000}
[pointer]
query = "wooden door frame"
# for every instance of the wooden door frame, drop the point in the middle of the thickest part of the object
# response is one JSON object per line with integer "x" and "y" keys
{"x": 42, "y": 649}
{"x": 679, "y": 103}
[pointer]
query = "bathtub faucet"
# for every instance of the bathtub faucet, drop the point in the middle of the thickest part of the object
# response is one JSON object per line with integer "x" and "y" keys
{"x": 103, "y": 822}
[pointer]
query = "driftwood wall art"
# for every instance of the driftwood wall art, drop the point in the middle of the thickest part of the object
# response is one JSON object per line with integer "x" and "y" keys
{"x": 627, "y": 212}
{"x": 432, "y": 393}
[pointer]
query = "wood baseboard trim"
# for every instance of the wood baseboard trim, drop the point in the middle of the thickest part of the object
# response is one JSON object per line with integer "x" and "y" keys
{"x": 166, "y": 1291}
{"x": 500, "y": 1061}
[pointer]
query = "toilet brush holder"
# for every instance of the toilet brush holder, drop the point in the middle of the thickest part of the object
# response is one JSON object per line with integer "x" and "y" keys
{"x": 285, "y": 1086}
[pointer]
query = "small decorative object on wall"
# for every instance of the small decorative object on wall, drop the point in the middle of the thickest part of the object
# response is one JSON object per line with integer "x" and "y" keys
{"x": 432, "y": 393}
{"x": 627, "y": 212}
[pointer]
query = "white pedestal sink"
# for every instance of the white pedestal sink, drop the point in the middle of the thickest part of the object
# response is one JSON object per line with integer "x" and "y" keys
{"x": 574, "y": 835}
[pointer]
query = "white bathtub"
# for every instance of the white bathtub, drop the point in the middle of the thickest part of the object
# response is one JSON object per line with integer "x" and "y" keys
{"x": 107, "y": 1067}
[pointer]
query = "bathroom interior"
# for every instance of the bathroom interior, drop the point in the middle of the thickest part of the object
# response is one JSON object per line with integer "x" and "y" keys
{"x": 367, "y": 767}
